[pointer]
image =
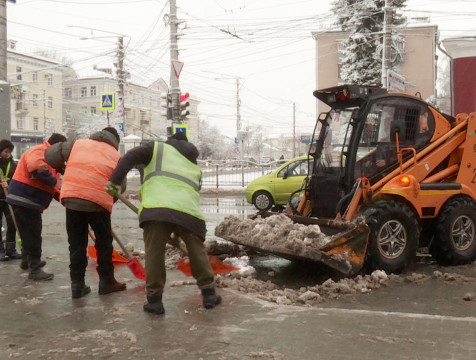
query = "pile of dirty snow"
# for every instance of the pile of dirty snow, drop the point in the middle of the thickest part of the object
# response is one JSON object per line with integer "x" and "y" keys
{"x": 276, "y": 233}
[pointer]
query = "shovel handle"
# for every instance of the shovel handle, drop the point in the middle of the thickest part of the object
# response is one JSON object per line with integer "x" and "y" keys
{"x": 127, "y": 202}
{"x": 128, "y": 254}
{"x": 5, "y": 191}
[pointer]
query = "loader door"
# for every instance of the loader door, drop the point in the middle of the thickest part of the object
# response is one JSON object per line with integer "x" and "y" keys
{"x": 376, "y": 154}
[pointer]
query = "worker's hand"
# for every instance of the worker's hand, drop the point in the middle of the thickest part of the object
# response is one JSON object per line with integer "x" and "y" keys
{"x": 111, "y": 188}
{"x": 4, "y": 184}
{"x": 59, "y": 182}
{"x": 380, "y": 163}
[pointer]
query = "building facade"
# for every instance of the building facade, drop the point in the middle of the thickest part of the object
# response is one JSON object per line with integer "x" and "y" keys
{"x": 35, "y": 99}
{"x": 414, "y": 58}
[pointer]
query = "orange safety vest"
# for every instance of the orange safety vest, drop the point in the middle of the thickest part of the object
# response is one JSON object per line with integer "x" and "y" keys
{"x": 89, "y": 166}
{"x": 33, "y": 160}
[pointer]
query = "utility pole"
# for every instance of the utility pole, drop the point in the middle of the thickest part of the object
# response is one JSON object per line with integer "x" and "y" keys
{"x": 238, "y": 116}
{"x": 294, "y": 130}
{"x": 387, "y": 40}
{"x": 120, "y": 82}
{"x": 5, "y": 122}
{"x": 44, "y": 114}
{"x": 174, "y": 81}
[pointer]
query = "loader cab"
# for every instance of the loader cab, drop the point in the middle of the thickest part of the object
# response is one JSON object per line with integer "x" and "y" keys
{"x": 357, "y": 139}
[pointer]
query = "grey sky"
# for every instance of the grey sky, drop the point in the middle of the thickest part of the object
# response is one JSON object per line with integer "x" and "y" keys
{"x": 267, "y": 44}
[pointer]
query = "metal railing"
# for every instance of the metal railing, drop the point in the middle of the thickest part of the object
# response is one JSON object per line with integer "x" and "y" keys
{"x": 220, "y": 173}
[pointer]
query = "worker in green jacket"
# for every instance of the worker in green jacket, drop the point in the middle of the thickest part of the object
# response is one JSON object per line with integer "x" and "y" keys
{"x": 170, "y": 203}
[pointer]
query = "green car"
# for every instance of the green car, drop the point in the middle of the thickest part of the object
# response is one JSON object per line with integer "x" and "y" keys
{"x": 275, "y": 188}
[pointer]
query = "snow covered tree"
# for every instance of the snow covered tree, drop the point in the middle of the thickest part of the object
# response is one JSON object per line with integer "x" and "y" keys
{"x": 363, "y": 21}
{"x": 211, "y": 144}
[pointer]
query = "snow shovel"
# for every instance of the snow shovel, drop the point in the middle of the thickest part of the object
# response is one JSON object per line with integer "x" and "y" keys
{"x": 116, "y": 257}
{"x": 134, "y": 263}
{"x": 218, "y": 267}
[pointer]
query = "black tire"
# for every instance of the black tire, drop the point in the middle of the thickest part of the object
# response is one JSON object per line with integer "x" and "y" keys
{"x": 454, "y": 241}
{"x": 394, "y": 236}
{"x": 262, "y": 200}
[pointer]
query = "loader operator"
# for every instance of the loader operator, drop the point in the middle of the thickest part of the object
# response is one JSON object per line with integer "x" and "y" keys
{"x": 90, "y": 162}
{"x": 30, "y": 192}
{"x": 170, "y": 203}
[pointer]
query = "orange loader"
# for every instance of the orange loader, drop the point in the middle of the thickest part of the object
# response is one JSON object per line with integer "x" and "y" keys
{"x": 399, "y": 164}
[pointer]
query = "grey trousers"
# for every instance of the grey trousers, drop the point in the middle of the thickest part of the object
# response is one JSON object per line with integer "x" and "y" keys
{"x": 156, "y": 235}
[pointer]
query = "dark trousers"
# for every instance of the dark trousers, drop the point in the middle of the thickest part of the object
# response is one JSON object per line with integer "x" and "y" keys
{"x": 10, "y": 237}
{"x": 29, "y": 223}
{"x": 156, "y": 235}
{"x": 77, "y": 226}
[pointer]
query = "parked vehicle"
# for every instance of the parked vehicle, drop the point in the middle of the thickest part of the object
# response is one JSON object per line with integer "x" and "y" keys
{"x": 275, "y": 188}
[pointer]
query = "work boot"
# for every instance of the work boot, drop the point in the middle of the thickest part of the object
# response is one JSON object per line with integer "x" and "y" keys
{"x": 3, "y": 255}
{"x": 109, "y": 284}
{"x": 12, "y": 252}
{"x": 210, "y": 298}
{"x": 154, "y": 305}
{"x": 35, "y": 270}
{"x": 24, "y": 262}
{"x": 79, "y": 289}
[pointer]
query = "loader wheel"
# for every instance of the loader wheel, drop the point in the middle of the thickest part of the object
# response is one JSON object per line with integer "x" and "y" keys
{"x": 454, "y": 242}
{"x": 262, "y": 200}
{"x": 394, "y": 234}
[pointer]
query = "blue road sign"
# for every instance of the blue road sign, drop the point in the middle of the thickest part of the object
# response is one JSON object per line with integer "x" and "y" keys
{"x": 108, "y": 101}
{"x": 121, "y": 126}
{"x": 180, "y": 128}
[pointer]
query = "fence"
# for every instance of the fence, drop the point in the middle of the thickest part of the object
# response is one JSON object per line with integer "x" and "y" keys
{"x": 219, "y": 173}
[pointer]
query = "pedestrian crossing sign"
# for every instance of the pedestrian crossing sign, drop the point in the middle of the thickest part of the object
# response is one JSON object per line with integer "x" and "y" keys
{"x": 108, "y": 101}
{"x": 180, "y": 128}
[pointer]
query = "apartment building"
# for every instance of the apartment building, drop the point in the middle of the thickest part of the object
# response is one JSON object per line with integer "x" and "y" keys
{"x": 414, "y": 57}
{"x": 35, "y": 98}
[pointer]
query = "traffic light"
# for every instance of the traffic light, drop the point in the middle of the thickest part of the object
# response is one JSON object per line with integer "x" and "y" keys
{"x": 166, "y": 105}
{"x": 184, "y": 104}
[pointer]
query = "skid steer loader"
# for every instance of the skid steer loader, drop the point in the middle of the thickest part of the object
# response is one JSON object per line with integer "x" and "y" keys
{"x": 392, "y": 159}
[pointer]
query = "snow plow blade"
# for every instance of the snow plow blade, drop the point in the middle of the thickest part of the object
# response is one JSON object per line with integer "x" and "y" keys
{"x": 345, "y": 253}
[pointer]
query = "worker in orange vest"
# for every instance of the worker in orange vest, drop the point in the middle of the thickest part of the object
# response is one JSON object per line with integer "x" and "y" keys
{"x": 89, "y": 163}
{"x": 30, "y": 192}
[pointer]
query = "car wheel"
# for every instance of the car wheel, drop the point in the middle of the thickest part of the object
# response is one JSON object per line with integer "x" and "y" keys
{"x": 262, "y": 200}
{"x": 394, "y": 235}
{"x": 455, "y": 234}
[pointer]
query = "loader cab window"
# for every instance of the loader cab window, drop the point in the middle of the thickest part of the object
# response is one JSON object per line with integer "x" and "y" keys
{"x": 376, "y": 155}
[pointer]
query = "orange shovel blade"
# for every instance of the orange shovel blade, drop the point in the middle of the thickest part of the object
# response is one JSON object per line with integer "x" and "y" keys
{"x": 136, "y": 267}
{"x": 217, "y": 265}
{"x": 116, "y": 257}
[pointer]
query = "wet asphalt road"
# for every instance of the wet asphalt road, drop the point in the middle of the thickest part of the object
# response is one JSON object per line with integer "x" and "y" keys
{"x": 411, "y": 320}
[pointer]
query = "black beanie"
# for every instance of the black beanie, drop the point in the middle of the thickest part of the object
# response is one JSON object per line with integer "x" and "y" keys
{"x": 56, "y": 138}
{"x": 179, "y": 136}
{"x": 113, "y": 131}
{"x": 4, "y": 143}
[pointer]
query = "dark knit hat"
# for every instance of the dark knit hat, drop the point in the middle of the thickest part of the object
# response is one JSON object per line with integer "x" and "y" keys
{"x": 113, "y": 131}
{"x": 4, "y": 143}
{"x": 179, "y": 136}
{"x": 56, "y": 138}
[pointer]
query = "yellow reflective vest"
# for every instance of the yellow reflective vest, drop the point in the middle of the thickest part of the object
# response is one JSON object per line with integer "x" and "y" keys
{"x": 171, "y": 181}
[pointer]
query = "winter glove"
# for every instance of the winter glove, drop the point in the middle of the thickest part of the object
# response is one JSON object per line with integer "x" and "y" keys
{"x": 112, "y": 189}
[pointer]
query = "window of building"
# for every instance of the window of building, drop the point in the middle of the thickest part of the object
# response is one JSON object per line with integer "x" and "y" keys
{"x": 35, "y": 76}
{"x": 93, "y": 91}
{"x": 49, "y": 78}
{"x": 50, "y": 102}
{"x": 19, "y": 70}
{"x": 35, "y": 123}
{"x": 19, "y": 123}
{"x": 68, "y": 93}
{"x": 35, "y": 100}
{"x": 93, "y": 110}
{"x": 84, "y": 91}
{"x": 84, "y": 109}
{"x": 143, "y": 116}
